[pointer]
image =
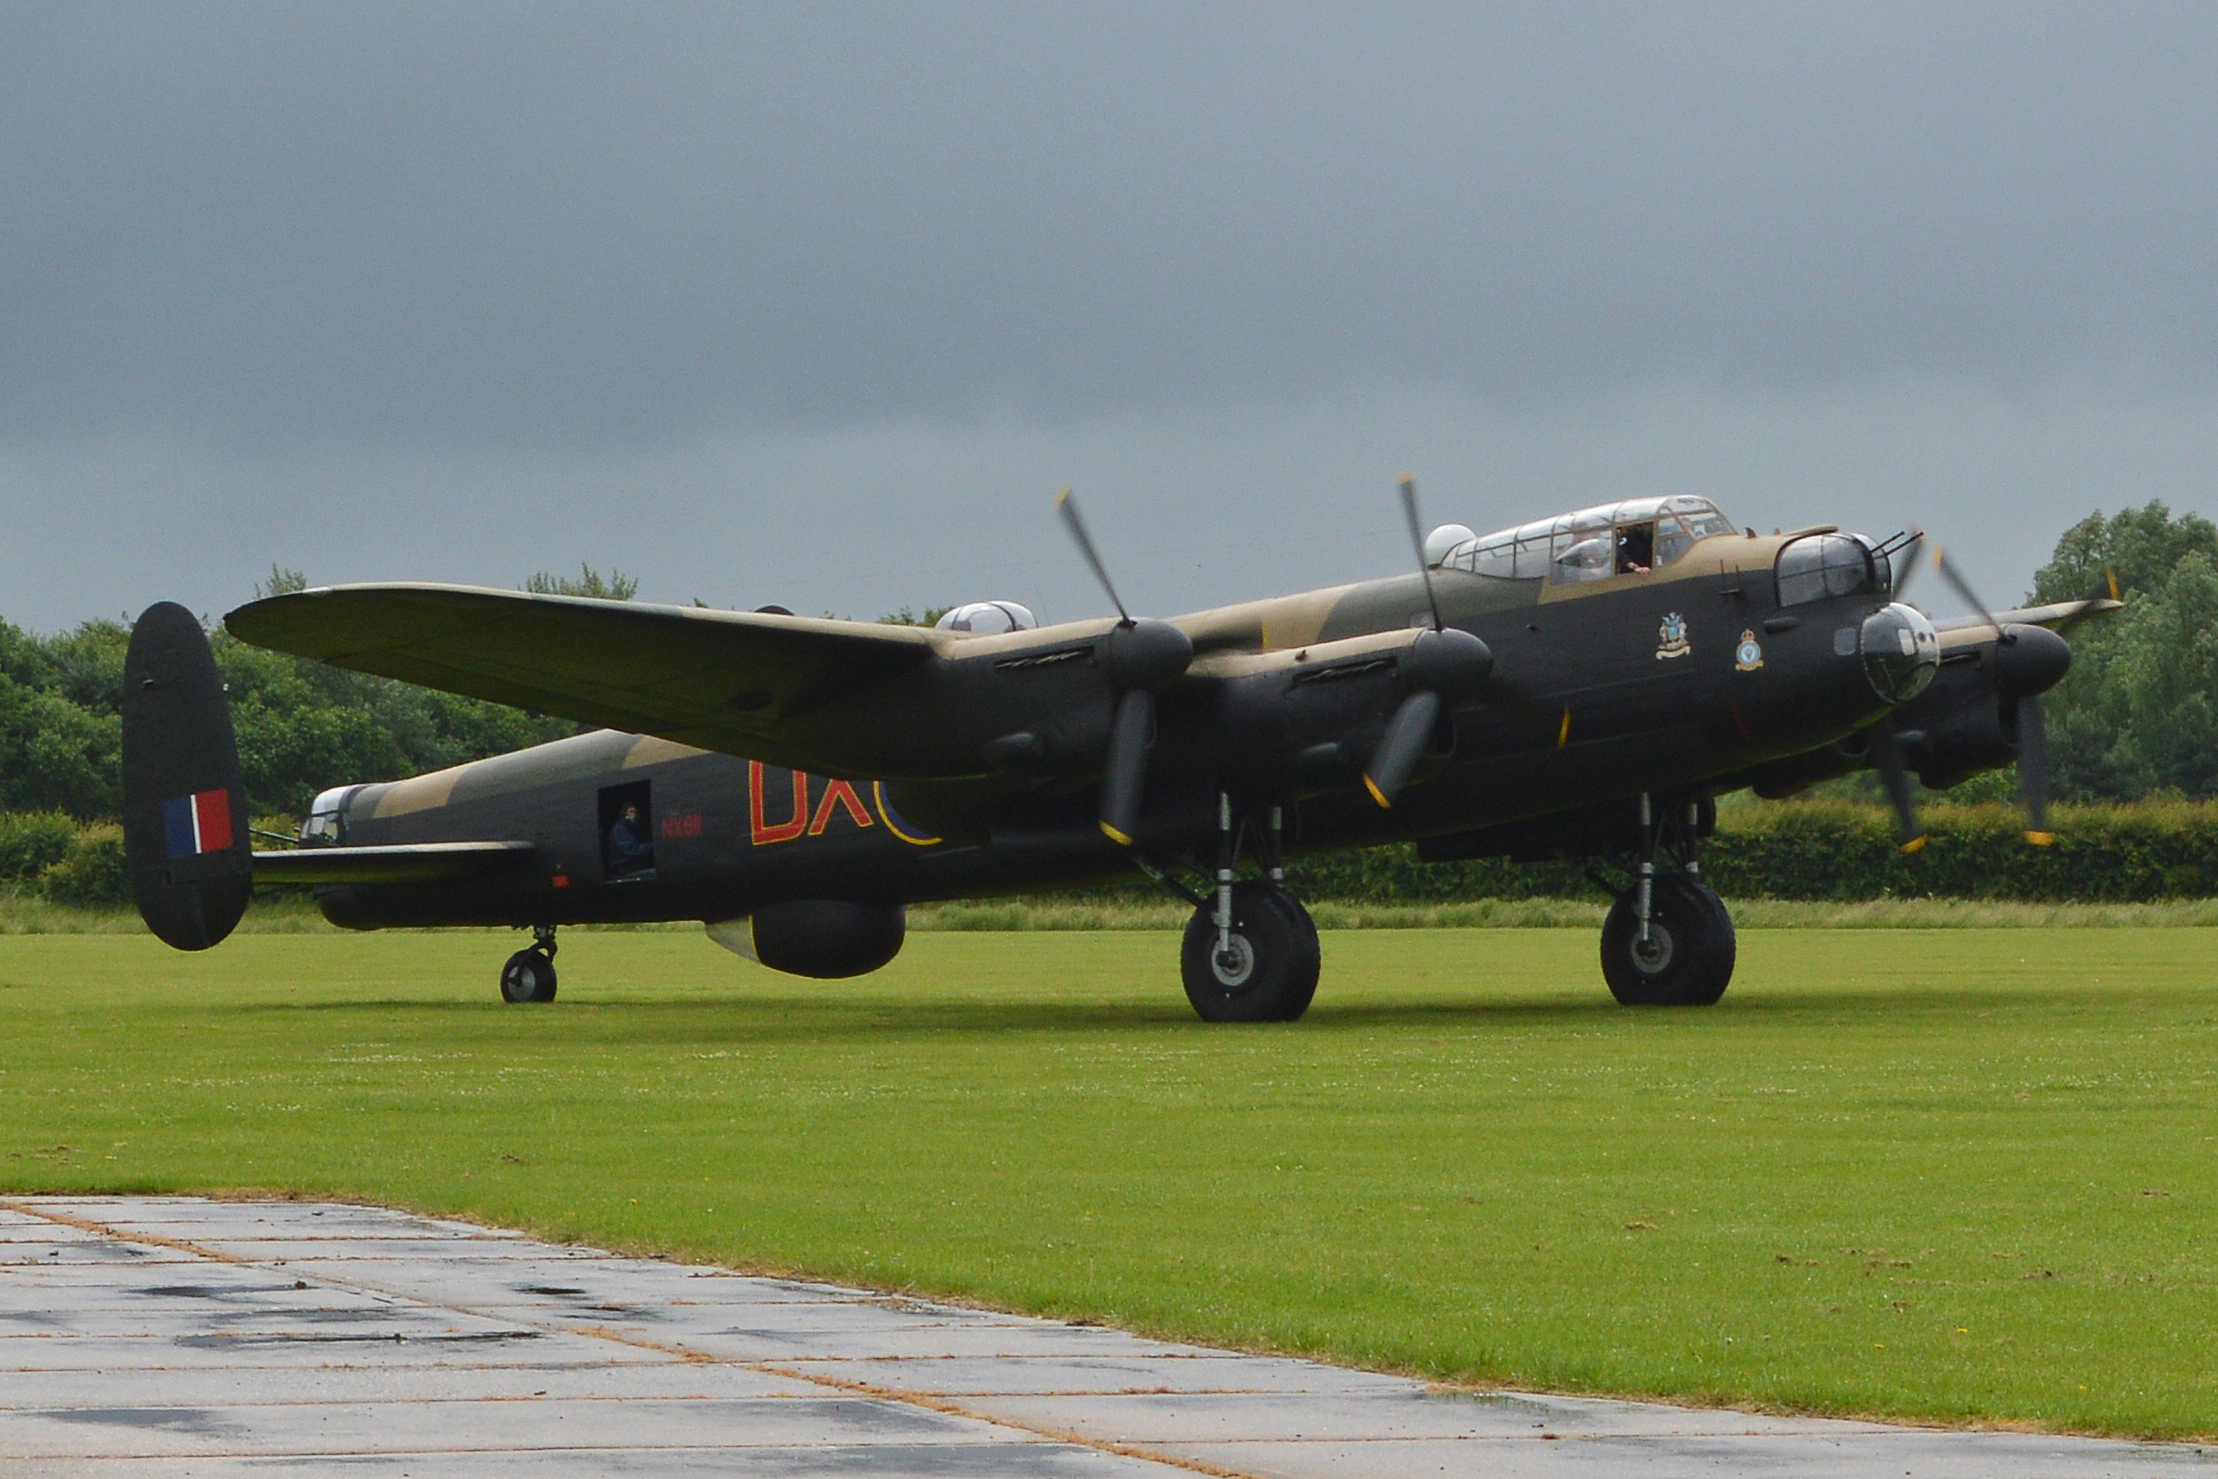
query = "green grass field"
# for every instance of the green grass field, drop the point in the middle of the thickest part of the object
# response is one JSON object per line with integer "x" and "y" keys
{"x": 1955, "y": 1174}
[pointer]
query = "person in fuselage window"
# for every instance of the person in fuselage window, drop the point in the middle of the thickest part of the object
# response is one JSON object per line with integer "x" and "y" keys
{"x": 630, "y": 849}
{"x": 1636, "y": 549}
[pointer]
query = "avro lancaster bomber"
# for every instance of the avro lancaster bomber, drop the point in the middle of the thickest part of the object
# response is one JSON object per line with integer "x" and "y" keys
{"x": 1577, "y": 687}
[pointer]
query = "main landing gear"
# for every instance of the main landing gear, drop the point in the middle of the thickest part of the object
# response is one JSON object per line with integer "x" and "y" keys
{"x": 530, "y": 972}
{"x": 1250, "y": 953}
{"x": 1668, "y": 941}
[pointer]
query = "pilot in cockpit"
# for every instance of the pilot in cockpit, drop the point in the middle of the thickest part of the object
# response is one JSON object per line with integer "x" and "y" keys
{"x": 1636, "y": 549}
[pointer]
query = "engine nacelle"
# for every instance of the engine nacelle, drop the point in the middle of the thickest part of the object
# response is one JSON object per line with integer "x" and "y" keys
{"x": 1971, "y": 739}
{"x": 824, "y": 938}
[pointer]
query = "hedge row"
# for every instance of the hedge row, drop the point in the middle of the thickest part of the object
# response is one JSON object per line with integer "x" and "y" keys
{"x": 1840, "y": 850}
{"x": 50, "y": 854}
{"x": 1800, "y": 850}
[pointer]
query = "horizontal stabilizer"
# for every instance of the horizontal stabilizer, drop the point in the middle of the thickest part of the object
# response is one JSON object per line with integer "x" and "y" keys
{"x": 416, "y": 862}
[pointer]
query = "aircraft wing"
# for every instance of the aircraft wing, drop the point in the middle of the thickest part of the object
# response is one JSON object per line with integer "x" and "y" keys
{"x": 419, "y": 862}
{"x": 2058, "y": 615}
{"x": 719, "y": 680}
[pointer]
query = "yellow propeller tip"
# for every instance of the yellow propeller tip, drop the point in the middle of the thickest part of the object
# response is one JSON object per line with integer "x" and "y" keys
{"x": 1115, "y": 836}
{"x": 1062, "y": 495}
{"x": 2040, "y": 839}
{"x": 1376, "y": 794}
{"x": 1915, "y": 844}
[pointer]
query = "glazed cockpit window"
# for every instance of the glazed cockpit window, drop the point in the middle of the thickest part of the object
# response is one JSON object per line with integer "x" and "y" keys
{"x": 1588, "y": 559}
{"x": 1641, "y": 533}
{"x": 1822, "y": 565}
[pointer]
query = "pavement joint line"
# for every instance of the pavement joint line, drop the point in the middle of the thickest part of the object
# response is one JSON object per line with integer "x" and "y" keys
{"x": 688, "y": 1354}
{"x": 480, "y": 1296}
{"x": 117, "y": 1234}
{"x": 940, "y": 1403}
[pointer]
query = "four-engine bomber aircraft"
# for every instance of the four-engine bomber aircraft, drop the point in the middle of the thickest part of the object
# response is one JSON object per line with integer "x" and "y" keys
{"x": 1579, "y": 687}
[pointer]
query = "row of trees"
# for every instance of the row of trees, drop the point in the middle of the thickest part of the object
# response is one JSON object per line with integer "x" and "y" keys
{"x": 2137, "y": 717}
{"x": 2138, "y": 714}
{"x": 302, "y": 725}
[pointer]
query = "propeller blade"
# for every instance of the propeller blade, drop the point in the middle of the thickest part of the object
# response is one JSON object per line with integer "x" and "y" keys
{"x": 1124, "y": 773}
{"x": 1886, "y": 754}
{"x": 1402, "y": 746}
{"x": 1905, "y": 561}
{"x": 1962, "y": 587}
{"x": 1067, "y": 506}
{"x": 2033, "y": 770}
{"x": 1417, "y": 543}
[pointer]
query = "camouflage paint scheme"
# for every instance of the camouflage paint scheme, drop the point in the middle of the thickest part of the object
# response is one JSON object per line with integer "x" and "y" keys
{"x": 979, "y": 755}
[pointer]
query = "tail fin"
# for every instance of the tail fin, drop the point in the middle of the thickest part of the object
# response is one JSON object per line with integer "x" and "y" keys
{"x": 185, "y": 835}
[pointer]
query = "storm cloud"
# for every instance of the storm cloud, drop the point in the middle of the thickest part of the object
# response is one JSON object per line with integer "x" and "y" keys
{"x": 819, "y": 304}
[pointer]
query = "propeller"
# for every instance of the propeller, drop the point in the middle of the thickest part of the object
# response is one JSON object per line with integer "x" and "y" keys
{"x": 1417, "y": 543}
{"x": 2033, "y": 770}
{"x": 1443, "y": 662}
{"x": 2028, "y": 661}
{"x": 1886, "y": 754}
{"x": 1137, "y": 656}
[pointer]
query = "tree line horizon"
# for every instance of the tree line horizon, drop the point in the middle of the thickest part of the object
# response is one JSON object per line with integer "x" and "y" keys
{"x": 2136, "y": 718}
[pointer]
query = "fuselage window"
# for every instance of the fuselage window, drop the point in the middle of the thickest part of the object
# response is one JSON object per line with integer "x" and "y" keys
{"x": 1636, "y": 549}
{"x": 1822, "y": 565}
{"x": 628, "y": 831}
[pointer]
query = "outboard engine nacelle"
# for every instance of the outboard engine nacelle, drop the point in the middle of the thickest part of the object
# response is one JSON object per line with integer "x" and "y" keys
{"x": 824, "y": 938}
{"x": 185, "y": 840}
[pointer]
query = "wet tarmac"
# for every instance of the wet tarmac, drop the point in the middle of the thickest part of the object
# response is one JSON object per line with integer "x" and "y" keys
{"x": 149, "y": 1336}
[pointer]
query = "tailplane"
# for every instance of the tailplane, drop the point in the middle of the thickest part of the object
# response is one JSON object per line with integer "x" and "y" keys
{"x": 185, "y": 835}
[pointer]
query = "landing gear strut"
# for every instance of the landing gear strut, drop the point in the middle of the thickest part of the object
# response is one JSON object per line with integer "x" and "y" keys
{"x": 1250, "y": 953}
{"x": 529, "y": 975}
{"x": 1668, "y": 940}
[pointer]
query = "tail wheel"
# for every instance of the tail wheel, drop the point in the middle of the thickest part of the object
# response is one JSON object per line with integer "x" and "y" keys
{"x": 529, "y": 976}
{"x": 1687, "y": 960}
{"x": 1267, "y": 971}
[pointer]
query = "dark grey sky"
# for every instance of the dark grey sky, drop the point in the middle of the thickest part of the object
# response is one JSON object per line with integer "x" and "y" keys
{"x": 818, "y": 305}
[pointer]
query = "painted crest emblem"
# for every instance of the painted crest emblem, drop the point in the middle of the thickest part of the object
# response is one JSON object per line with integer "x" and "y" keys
{"x": 1671, "y": 637}
{"x": 1749, "y": 656}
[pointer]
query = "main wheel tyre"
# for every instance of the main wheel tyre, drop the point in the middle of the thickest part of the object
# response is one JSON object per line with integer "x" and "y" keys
{"x": 1270, "y": 972}
{"x": 528, "y": 976}
{"x": 1688, "y": 958}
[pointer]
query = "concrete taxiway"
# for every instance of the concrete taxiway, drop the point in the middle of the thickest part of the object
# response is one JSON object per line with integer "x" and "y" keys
{"x": 152, "y": 1336}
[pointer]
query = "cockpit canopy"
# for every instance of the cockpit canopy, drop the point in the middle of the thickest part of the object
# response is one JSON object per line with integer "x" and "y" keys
{"x": 987, "y": 618}
{"x": 1639, "y": 534}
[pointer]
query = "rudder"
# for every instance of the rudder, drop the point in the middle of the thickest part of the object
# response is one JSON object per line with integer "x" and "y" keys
{"x": 185, "y": 837}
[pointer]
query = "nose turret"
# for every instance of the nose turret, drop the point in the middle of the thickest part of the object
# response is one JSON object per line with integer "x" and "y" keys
{"x": 1901, "y": 652}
